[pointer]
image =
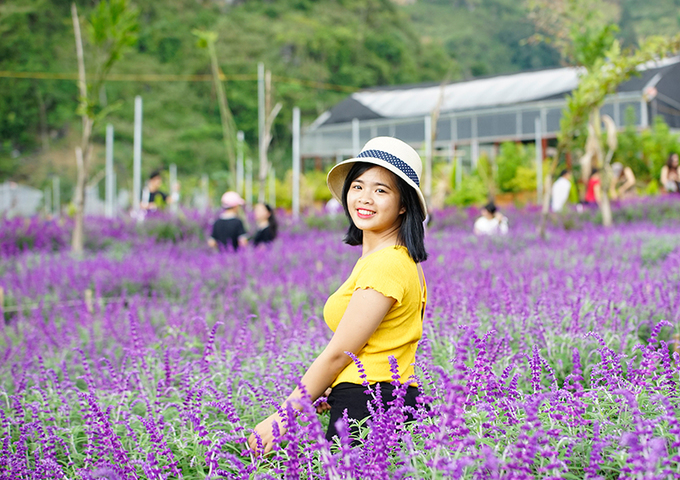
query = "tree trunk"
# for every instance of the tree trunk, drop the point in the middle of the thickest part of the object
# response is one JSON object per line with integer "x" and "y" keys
{"x": 82, "y": 152}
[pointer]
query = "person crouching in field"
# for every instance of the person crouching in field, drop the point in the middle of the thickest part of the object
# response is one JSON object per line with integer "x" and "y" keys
{"x": 378, "y": 312}
{"x": 228, "y": 230}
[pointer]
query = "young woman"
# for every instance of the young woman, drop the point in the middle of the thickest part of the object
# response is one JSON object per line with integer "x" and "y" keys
{"x": 378, "y": 311}
{"x": 670, "y": 174}
{"x": 266, "y": 224}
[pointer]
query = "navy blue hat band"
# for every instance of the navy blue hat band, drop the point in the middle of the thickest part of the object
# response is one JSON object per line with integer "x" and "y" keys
{"x": 392, "y": 160}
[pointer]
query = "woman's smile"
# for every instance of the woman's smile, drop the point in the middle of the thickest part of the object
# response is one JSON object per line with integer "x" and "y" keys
{"x": 365, "y": 213}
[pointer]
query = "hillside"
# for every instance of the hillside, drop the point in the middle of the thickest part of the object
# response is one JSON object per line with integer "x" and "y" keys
{"x": 342, "y": 44}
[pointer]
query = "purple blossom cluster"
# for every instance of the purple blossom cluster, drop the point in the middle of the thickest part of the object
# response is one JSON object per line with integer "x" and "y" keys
{"x": 553, "y": 359}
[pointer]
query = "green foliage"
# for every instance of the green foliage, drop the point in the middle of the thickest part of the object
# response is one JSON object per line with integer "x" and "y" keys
{"x": 472, "y": 191}
{"x": 630, "y": 148}
{"x": 514, "y": 162}
{"x": 657, "y": 143}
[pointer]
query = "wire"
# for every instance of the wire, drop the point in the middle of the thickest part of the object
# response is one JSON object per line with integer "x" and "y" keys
{"x": 125, "y": 77}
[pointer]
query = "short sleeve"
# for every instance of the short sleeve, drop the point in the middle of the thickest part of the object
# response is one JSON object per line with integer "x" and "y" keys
{"x": 384, "y": 275}
{"x": 239, "y": 229}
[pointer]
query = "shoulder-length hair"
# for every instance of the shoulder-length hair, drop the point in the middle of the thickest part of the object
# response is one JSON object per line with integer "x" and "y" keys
{"x": 411, "y": 231}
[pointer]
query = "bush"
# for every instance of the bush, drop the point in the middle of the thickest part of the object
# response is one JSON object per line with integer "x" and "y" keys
{"x": 471, "y": 191}
{"x": 511, "y": 158}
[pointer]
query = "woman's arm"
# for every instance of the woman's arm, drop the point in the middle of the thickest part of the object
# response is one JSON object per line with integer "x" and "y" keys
{"x": 664, "y": 176}
{"x": 630, "y": 180}
{"x": 365, "y": 311}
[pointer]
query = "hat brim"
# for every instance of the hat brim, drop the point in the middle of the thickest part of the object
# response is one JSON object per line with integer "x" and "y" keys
{"x": 336, "y": 178}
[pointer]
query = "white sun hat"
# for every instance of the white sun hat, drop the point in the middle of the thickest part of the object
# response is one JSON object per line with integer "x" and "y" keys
{"x": 391, "y": 153}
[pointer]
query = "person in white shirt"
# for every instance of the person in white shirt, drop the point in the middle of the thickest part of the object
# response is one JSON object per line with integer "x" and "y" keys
{"x": 492, "y": 222}
{"x": 560, "y": 191}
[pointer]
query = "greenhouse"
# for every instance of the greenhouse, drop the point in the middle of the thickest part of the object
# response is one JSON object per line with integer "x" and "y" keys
{"x": 483, "y": 112}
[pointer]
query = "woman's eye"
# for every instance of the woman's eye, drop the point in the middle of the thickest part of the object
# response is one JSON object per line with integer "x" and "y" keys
{"x": 356, "y": 187}
{"x": 380, "y": 190}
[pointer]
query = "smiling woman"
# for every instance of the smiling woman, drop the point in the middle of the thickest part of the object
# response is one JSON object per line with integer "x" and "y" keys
{"x": 376, "y": 315}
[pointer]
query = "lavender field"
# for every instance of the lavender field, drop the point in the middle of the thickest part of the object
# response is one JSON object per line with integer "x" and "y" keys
{"x": 153, "y": 357}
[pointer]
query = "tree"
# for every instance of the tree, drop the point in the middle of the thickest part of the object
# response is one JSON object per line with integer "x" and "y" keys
{"x": 207, "y": 40}
{"x": 111, "y": 31}
{"x": 584, "y": 39}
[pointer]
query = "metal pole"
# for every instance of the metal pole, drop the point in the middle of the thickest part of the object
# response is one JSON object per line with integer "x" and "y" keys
{"x": 173, "y": 188}
{"x": 56, "y": 200}
{"x": 108, "y": 195}
{"x": 137, "y": 157}
{"x": 474, "y": 150}
{"x": 428, "y": 159}
{"x": 296, "y": 162}
{"x": 539, "y": 159}
{"x": 249, "y": 182}
{"x": 356, "y": 147}
{"x": 240, "y": 174}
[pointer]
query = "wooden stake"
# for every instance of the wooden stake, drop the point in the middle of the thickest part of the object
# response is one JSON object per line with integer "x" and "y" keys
{"x": 89, "y": 304}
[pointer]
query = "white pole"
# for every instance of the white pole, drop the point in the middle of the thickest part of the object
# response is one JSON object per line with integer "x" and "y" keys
{"x": 459, "y": 171}
{"x": 173, "y": 188}
{"x": 108, "y": 195}
{"x": 261, "y": 113}
{"x": 249, "y": 182}
{"x": 296, "y": 162}
{"x": 56, "y": 201}
{"x": 137, "y": 156}
{"x": 356, "y": 147}
{"x": 539, "y": 159}
{"x": 48, "y": 201}
{"x": 272, "y": 187}
{"x": 206, "y": 191}
{"x": 428, "y": 159}
{"x": 240, "y": 173}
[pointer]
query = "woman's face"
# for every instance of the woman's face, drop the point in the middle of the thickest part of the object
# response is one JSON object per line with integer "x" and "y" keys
{"x": 374, "y": 202}
{"x": 674, "y": 160}
{"x": 261, "y": 213}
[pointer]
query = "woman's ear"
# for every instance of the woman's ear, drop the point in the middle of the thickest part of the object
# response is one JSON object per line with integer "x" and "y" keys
{"x": 402, "y": 210}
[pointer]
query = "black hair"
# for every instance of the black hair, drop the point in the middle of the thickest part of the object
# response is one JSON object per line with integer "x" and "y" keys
{"x": 154, "y": 174}
{"x": 669, "y": 162}
{"x": 563, "y": 173}
{"x": 490, "y": 207}
{"x": 411, "y": 231}
{"x": 273, "y": 224}
{"x": 594, "y": 171}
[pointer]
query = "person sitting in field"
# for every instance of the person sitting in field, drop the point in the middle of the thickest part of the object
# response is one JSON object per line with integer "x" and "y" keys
{"x": 623, "y": 181}
{"x": 228, "y": 230}
{"x": 593, "y": 189}
{"x": 670, "y": 176}
{"x": 491, "y": 222}
{"x": 560, "y": 191}
{"x": 266, "y": 224}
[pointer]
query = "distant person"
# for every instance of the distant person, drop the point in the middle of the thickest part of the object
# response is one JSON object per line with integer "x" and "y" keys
{"x": 670, "y": 176}
{"x": 266, "y": 224}
{"x": 333, "y": 207}
{"x": 228, "y": 230}
{"x": 623, "y": 181}
{"x": 560, "y": 191}
{"x": 593, "y": 189}
{"x": 491, "y": 222}
{"x": 153, "y": 197}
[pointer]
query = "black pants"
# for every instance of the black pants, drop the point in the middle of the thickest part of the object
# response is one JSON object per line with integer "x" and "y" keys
{"x": 351, "y": 396}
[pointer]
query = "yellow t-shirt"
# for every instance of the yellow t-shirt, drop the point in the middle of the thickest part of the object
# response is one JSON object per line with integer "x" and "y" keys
{"x": 392, "y": 272}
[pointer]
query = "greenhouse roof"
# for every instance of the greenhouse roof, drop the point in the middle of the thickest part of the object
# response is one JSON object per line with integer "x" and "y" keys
{"x": 419, "y": 100}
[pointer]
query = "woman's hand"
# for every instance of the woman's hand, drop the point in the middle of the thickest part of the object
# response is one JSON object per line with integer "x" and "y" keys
{"x": 265, "y": 429}
{"x": 324, "y": 406}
